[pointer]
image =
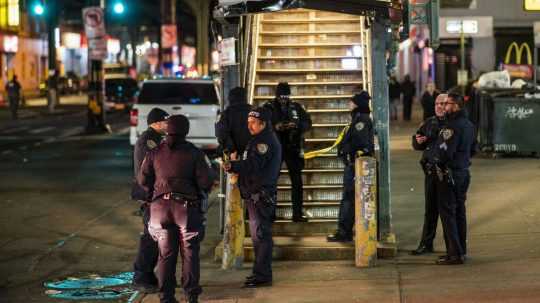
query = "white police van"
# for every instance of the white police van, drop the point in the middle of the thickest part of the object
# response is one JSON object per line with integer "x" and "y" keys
{"x": 197, "y": 99}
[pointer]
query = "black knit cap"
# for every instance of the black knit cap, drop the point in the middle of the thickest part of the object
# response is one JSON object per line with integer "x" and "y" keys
{"x": 156, "y": 115}
{"x": 362, "y": 101}
{"x": 178, "y": 125}
{"x": 283, "y": 89}
{"x": 237, "y": 95}
{"x": 261, "y": 113}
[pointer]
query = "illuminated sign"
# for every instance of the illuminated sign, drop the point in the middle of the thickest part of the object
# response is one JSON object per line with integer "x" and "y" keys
{"x": 13, "y": 13}
{"x": 11, "y": 44}
{"x": 531, "y": 5}
{"x": 72, "y": 40}
{"x": 455, "y": 26}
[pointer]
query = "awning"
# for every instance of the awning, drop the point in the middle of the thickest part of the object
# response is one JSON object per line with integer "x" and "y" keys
{"x": 232, "y": 8}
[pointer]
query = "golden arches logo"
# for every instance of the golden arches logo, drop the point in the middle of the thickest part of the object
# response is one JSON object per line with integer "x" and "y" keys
{"x": 519, "y": 52}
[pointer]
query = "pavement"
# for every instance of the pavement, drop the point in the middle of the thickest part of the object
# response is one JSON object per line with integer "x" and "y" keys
{"x": 75, "y": 191}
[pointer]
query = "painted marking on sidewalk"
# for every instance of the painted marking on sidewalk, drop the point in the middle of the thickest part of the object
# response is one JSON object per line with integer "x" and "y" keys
{"x": 42, "y": 130}
{"x": 15, "y": 129}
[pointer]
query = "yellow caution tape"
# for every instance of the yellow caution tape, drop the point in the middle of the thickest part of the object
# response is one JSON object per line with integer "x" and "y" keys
{"x": 318, "y": 153}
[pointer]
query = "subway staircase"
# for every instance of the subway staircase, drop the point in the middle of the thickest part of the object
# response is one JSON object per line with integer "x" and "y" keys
{"x": 325, "y": 58}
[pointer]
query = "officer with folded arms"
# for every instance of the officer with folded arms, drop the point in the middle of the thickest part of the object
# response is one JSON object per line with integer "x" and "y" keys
{"x": 258, "y": 172}
{"x": 359, "y": 139}
{"x": 178, "y": 176}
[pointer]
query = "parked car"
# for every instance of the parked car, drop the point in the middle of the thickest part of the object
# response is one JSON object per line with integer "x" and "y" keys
{"x": 198, "y": 100}
{"x": 120, "y": 93}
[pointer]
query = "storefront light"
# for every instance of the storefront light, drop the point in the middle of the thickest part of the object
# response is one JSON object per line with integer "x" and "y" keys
{"x": 13, "y": 13}
{"x": 11, "y": 44}
{"x": 113, "y": 46}
{"x": 72, "y": 40}
{"x": 57, "y": 37}
{"x": 155, "y": 45}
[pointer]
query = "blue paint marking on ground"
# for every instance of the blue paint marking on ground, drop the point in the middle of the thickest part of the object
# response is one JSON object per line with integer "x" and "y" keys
{"x": 92, "y": 294}
{"x": 92, "y": 288}
{"x": 85, "y": 283}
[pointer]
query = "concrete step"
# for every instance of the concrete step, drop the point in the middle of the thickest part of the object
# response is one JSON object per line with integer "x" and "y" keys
{"x": 315, "y": 227}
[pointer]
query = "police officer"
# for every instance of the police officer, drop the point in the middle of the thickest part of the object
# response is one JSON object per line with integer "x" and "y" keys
{"x": 144, "y": 278}
{"x": 258, "y": 171}
{"x": 359, "y": 139}
{"x": 231, "y": 129}
{"x": 290, "y": 122}
{"x": 455, "y": 146}
{"x": 177, "y": 175}
{"x": 13, "y": 89}
{"x": 425, "y": 140}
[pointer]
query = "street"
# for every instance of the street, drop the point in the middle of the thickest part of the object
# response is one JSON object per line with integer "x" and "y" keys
{"x": 66, "y": 212}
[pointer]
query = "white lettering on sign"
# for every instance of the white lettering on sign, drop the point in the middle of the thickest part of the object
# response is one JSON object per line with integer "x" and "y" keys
{"x": 505, "y": 147}
{"x": 520, "y": 113}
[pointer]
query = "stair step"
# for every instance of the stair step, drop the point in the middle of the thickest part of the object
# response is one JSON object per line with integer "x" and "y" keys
{"x": 297, "y": 21}
{"x": 313, "y": 186}
{"x": 313, "y": 171}
{"x": 301, "y": 33}
{"x": 310, "y": 248}
{"x": 309, "y": 70}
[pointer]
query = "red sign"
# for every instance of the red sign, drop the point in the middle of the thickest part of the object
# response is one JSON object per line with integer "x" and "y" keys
{"x": 168, "y": 35}
{"x": 521, "y": 71}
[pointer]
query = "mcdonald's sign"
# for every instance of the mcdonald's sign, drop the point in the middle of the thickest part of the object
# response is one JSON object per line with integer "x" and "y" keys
{"x": 517, "y": 69}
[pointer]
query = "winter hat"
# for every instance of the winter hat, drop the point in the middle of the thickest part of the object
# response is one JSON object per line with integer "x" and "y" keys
{"x": 156, "y": 115}
{"x": 283, "y": 89}
{"x": 362, "y": 101}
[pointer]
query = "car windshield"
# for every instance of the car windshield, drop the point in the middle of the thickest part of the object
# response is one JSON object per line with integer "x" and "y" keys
{"x": 178, "y": 93}
{"x": 125, "y": 86}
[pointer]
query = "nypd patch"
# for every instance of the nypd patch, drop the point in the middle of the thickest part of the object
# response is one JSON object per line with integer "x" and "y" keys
{"x": 151, "y": 144}
{"x": 447, "y": 133}
{"x": 359, "y": 126}
{"x": 262, "y": 148}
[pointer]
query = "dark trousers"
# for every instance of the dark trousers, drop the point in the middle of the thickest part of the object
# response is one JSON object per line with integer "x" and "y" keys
{"x": 431, "y": 214}
{"x": 462, "y": 179}
{"x": 295, "y": 164}
{"x": 177, "y": 227}
{"x": 261, "y": 216}
{"x": 407, "y": 107}
{"x": 346, "y": 207}
{"x": 147, "y": 255}
{"x": 13, "y": 106}
{"x": 447, "y": 205}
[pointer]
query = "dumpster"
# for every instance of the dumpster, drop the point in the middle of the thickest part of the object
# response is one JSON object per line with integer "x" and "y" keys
{"x": 509, "y": 123}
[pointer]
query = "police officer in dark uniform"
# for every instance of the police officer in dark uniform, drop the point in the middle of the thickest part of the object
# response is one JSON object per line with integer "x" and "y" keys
{"x": 456, "y": 144}
{"x": 425, "y": 140}
{"x": 178, "y": 176}
{"x": 359, "y": 139}
{"x": 258, "y": 171}
{"x": 13, "y": 89}
{"x": 144, "y": 278}
{"x": 290, "y": 122}
{"x": 231, "y": 129}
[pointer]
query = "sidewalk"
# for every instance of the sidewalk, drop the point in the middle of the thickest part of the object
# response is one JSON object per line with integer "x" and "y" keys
{"x": 504, "y": 239}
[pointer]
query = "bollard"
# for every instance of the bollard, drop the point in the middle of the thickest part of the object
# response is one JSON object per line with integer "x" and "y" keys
{"x": 365, "y": 211}
{"x": 234, "y": 232}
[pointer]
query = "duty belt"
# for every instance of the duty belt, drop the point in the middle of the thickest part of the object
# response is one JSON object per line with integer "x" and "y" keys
{"x": 181, "y": 199}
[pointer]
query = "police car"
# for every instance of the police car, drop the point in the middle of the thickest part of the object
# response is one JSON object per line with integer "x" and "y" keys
{"x": 197, "y": 99}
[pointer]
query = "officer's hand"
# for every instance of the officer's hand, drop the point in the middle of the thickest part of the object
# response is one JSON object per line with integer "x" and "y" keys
{"x": 420, "y": 139}
{"x": 280, "y": 126}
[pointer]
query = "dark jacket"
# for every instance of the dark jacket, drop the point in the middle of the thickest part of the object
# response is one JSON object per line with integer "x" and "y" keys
{"x": 290, "y": 139}
{"x": 231, "y": 129}
{"x": 359, "y": 137}
{"x": 428, "y": 104}
{"x": 457, "y": 142}
{"x": 149, "y": 140}
{"x": 394, "y": 90}
{"x": 430, "y": 128}
{"x": 260, "y": 165}
{"x": 408, "y": 89}
{"x": 13, "y": 89}
{"x": 177, "y": 167}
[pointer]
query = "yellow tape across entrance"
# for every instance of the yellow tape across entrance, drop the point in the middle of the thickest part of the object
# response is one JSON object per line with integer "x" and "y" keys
{"x": 317, "y": 153}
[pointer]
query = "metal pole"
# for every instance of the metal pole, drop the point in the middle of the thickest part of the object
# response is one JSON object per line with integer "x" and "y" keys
{"x": 52, "y": 23}
{"x": 381, "y": 117}
{"x": 462, "y": 53}
{"x": 535, "y": 66}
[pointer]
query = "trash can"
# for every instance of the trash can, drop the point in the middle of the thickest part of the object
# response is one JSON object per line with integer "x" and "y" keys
{"x": 509, "y": 122}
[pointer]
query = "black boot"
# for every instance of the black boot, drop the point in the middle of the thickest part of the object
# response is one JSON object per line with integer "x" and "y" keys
{"x": 422, "y": 249}
{"x": 192, "y": 299}
{"x": 339, "y": 237}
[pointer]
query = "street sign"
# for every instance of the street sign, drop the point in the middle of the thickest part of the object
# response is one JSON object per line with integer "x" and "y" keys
{"x": 168, "y": 35}
{"x": 462, "y": 77}
{"x": 227, "y": 52}
{"x": 94, "y": 27}
{"x": 418, "y": 13}
{"x": 94, "y": 23}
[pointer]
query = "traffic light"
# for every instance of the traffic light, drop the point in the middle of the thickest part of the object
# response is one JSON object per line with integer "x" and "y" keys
{"x": 119, "y": 8}
{"x": 38, "y": 9}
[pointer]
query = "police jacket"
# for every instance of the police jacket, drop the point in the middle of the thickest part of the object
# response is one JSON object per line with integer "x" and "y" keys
{"x": 359, "y": 137}
{"x": 457, "y": 142}
{"x": 259, "y": 167}
{"x": 231, "y": 129}
{"x": 149, "y": 140}
{"x": 176, "y": 166}
{"x": 291, "y": 139}
{"x": 13, "y": 89}
{"x": 429, "y": 128}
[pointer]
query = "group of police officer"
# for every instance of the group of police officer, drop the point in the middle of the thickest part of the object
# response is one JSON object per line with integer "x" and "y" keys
{"x": 448, "y": 141}
{"x": 173, "y": 179}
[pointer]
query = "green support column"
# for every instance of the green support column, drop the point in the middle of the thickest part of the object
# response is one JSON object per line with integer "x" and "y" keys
{"x": 387, "y": 241}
